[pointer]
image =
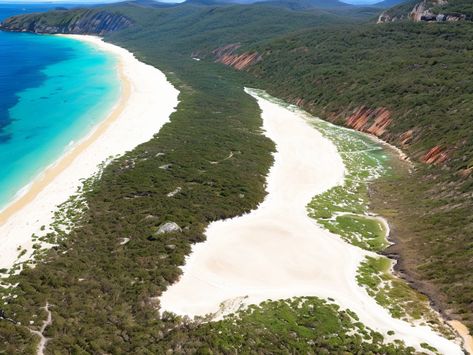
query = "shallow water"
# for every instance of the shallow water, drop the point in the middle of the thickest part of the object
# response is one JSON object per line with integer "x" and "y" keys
{"x": 53, "y": 91}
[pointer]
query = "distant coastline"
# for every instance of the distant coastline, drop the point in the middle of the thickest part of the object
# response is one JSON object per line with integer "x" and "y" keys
{"x": 147, "y": 99}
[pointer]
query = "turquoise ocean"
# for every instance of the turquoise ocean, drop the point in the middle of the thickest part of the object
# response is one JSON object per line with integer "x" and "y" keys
{"x": 53, "y": 91}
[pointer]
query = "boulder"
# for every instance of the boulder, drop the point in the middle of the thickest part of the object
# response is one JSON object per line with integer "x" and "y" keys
{"x": 169, "y": 227}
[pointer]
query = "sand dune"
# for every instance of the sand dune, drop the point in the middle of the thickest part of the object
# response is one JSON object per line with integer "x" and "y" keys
{"x": 277, "y": 251}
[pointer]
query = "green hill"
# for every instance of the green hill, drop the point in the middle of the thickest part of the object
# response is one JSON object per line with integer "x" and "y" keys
{"x": 420, "y": 75}
{"x": 213, "y": 22}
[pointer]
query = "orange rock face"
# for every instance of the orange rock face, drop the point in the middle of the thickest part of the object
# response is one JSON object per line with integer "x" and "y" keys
{"x": 374, "y": 121}
{"x": 406, "y": 137}
{"x": 436, "y": 155}
{"x": 226, "y": 55}
{"x": 240, "y": 62}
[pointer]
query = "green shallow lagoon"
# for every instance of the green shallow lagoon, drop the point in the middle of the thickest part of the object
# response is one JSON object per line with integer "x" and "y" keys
{"x": 344, "y": 209}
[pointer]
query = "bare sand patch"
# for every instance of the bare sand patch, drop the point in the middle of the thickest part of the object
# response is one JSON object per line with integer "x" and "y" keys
{"x": 277, "y": 251}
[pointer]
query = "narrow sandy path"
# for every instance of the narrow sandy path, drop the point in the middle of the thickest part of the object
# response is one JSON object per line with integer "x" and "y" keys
{"x": 277, "y": 251}
{"x": 43, "y": 340}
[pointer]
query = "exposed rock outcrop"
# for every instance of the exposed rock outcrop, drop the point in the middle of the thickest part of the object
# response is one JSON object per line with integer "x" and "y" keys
{"x": 77, "y": 22}
{"x": 420, "y": 11}
{"x": 240, "y": 61}
{"x": 374, "y": 121}
{"x": 407, "y": 137}
{"x": 168, "y": 227}
{"x": 386, "y": 17}
{"x": 425, "y": 10}
{"x": 436, "y": 155}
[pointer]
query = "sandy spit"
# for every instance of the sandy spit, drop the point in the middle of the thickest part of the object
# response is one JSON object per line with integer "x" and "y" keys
{"x": 277, "y": 251}
{"x": 146, "y": 102}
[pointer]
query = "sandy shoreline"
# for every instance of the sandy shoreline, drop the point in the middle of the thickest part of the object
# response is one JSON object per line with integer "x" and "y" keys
{"x": 147, "y": 99}
{"x": 277, "y": 251}
{"x": 65, "y": 161}
{"x": 461, "y": 329}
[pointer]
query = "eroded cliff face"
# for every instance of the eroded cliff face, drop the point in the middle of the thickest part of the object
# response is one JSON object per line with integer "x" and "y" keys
{"x": 374, "y": 121}
{"x": 240, "y": 61}
{"x": 420, "y": 11}
{"x": 436, "y": 155}
{"x": 78, "y": 22}
{"x": 387, "y": 17}
{"x": 423, "y": 11}
{"x": 406, "y": 138}
{"x": 378, "y": 122}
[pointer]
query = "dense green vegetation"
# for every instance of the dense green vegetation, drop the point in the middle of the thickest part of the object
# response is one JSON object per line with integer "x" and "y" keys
{"x": 344, "y": 209}
{"x": 402, "y": 11}
{"x": 464, "y": 7}
{"x": 432, "y": 231}
{"x": 396, "y": 295}
{"x": 421, "y": 73}
{"x": 191, "y": 30}
{"x": 305, "y": 325}
{"x": 450, "y": 7}
{"x": 190, "y": 25}
{"x": 459, "y": 9}
{"x": 103, "y": 293}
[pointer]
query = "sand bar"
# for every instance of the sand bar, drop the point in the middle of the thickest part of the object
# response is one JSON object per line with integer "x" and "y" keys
{"x": 277, "y": 251}
{"x": 147, "y": 99}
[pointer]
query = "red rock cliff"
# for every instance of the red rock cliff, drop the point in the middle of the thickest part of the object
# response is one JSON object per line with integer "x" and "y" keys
{"x": 374, "y": 121}
{"x": 436, "y": 155}
{"x": 240, "y": 61}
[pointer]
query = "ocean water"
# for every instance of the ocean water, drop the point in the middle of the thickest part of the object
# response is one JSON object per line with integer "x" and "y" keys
{"x": 53, "y": 91}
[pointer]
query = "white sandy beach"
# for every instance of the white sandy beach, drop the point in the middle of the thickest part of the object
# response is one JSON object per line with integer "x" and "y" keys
{"x": 277, "y": 251}
{"x": 146, "y": 102}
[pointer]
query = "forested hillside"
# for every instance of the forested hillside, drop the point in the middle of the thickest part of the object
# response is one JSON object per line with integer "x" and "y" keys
{"x": 213, "y": 22}
{"x": 102, "y": 295}
{"x": 407, "y": 83}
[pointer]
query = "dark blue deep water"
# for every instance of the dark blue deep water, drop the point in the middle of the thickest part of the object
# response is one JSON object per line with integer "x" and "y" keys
{"x": 53, "y": 91}
{"x": 21, "y": 61}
